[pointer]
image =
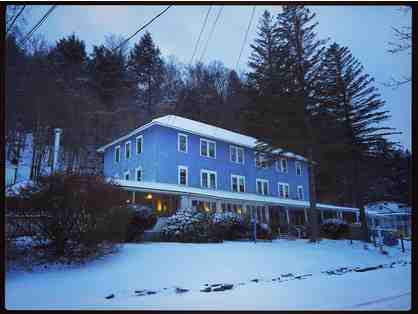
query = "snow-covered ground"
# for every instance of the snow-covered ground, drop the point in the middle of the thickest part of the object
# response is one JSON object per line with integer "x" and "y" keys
{"x": 161, "y": 267}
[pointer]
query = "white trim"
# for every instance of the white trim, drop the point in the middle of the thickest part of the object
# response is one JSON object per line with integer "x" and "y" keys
{"x": 179, "y": 168}
{"x": 208, "y": 172}
{"x": 136, "y": 174}
{"x": 262, "y": 186}
{"x": 282, "y": 169}
{"x": 114, "y": 155}
{"x": 142, "y": 144}
{"x": 298, "y": 164}
{"x": 284, "y": 190}
{"x": 179, "y": 135}
{"x": 130, "y": 150}
{"x": 181, "y": 189}
{"x": 262, "y": 159}
{"x": 207, "y": 145}
{"x": 127, "y": 172}
{"x": 237, "y": 176}
{"x": 300, "y": 187}
{"x": 236, "y": 148}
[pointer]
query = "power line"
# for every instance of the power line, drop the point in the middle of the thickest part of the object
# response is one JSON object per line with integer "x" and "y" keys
{"x": 200, "y": 35}
{"x": 245, "y": 38}
{"x": 15, "y": 18}
{"x": 41, "y": 21}
{"x": 211, "y": 32}
{"x": 140, "y": 29}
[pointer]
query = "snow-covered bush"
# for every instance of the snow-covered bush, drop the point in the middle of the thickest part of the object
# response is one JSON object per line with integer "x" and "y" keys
{"x": 78, "y": 210}
{"x": 334, "y": 228}
{"x": 189, "y": 225}
{"x": 230, "y": 225}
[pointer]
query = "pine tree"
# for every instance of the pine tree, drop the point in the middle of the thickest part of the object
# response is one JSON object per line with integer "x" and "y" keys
{"x": 356, "y": 104}
{"x": 147, "y": 66}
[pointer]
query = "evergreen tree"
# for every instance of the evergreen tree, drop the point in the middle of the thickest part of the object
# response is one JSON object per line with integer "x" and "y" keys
{"x": 350, "y": 96}
{"x": 147, "y": 66}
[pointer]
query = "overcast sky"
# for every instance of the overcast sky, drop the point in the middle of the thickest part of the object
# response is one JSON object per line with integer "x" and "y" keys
{"x": 366, "y": 30}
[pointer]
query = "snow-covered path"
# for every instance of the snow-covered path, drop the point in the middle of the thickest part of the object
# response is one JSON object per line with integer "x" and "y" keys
{"x": 155, "y": 266}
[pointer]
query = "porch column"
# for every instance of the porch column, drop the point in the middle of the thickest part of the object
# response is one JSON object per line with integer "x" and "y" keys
{"x": 357, "y": 217}
{"x": 218, "y": 206}
{"x": 306, "y": 215}
{"x": 266, "y": 210}
{"x": 184, "y": 202}
{"x": 287, "y": 216}
{"x": 340, "y": 214}
{"x": 133, "y": 197}
{"x": 322, "y": 215}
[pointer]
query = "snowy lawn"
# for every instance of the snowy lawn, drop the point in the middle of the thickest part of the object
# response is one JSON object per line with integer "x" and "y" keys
{"x": 161, "y": 267}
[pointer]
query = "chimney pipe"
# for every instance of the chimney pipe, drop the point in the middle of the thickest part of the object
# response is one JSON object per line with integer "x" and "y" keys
{"x": 57, "y": 133}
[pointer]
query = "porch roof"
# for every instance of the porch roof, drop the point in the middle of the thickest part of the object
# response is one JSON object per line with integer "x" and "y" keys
{"x": 193, "y": 191}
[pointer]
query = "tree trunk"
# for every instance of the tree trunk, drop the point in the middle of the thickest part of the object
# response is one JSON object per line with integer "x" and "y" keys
{"x": 358, "y": 195}
{"x": 313, "y": 216}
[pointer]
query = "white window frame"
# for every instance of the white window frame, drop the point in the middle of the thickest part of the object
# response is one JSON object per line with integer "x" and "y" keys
{"x": 298, "y": 164}
{"x": 179, "y": 135}
{"x": 130, "y": 149}
{"x": 208, "y": 172}
{"x": 236, "y": 148}
{"x": 284, "y": 190}
{"x": 117, "y": 148}
{"x": 142, "y": 144}
{"x": 207, "y": 143}
{"x": 127, "y": 172}
{"x": 179, "y": 168}
{"x": 282, "y": 169}
{"x": 237, "y": 176}
{"x": 262, "y": 186}
{"x": 136, "y": 174}
{"x": 300, "y": 187}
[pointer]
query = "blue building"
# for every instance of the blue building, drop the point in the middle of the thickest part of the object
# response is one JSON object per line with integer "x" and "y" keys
{"x": 173, "y": 162}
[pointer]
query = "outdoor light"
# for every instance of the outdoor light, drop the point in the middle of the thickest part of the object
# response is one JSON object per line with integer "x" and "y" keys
{"x": 149, "y": 196}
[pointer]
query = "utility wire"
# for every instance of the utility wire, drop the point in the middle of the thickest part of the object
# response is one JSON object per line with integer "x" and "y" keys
{"x": 142, "y": 27}
{"x": 211, "y": 32}
{"x": 41, "y": 21}
{"x": 245, "y": 38}
{"x": 15, "y": 18}
{"x": 200, "y": 35}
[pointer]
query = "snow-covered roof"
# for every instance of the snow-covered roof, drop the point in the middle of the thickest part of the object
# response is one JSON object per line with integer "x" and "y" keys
{"x": 181, "y": 189}
{"x": 387, "y": 208}
{"x": 199, "y": 128}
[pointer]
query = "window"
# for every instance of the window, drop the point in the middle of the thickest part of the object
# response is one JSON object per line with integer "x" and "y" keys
{"x": 139, "y": 143}
{"x": 182, "y": 142}
{"x": 183, "y": 177}
{"x": 261, "y": 161}
{"x": 117, "y": 153}
{"x": 236, "y": 154}
{"x": 283, "y": 165}
{"x": 237, "y": 183}
{"x": 126, "y": 175}
{"x": 262, "y": 186}
{"x": 208, "y": 179}
{"x": 283, "y": 190}
{"x": 298, "y": 166}
{"x": 138, "y": 174}
{"x": 207, "y": 148}
{"x": 300, "y": 192}
{"x": 128, "y": 150}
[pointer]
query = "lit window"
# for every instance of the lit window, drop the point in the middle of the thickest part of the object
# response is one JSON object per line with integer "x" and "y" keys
{"x": 182, "y": 170}
{"x": 283, "y": 190}
{"x": 237, "y": 183}
{"x": 127, "y": 150}
{"x": 139, "y": 144}
{"x": 208, "y": 179}
{"x": 262, "y": 186}
{"x": 207, "y": 148}
{"x": 182, "y": 143}
{"x": 117, "y": 153}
